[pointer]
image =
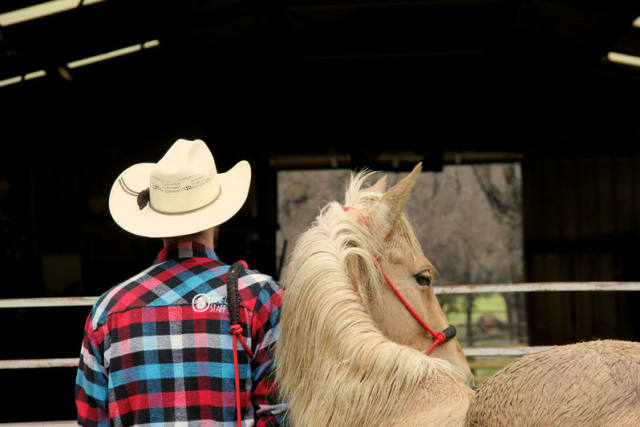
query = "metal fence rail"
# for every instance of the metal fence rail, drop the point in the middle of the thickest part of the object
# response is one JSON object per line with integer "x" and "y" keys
{"x": 537, "y": 287}
{"x": 70, "y": 362}
{"x": 46, "y": 302}
{"x": 43, "y": 423}
{"x": 73, "y": 361}
{"x": 441, "y": 290}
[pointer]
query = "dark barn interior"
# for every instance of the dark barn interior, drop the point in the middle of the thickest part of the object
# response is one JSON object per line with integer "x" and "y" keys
{"x": 312, "y": 84}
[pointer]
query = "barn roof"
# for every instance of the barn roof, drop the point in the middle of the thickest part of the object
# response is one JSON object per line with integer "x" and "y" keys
{"x": 324, "y": 76}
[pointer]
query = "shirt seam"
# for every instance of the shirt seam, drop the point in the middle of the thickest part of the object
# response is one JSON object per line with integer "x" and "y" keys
{"x": 170, "y": 305}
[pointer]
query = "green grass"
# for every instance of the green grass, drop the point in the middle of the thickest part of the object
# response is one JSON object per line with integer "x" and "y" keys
{"x": 482, "y": 304}
{"x": 484, "y": 367}
{"x": 489, "y": 303}
{"x": 495, "y": 304}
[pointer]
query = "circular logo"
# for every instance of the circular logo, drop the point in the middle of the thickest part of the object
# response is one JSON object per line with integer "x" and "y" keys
{"x": 200, "y": 302}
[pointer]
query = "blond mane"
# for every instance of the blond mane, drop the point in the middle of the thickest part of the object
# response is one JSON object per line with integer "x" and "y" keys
{"x": 333, "y": 364}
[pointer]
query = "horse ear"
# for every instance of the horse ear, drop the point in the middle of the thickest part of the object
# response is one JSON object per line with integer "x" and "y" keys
{"x": 379, "y": 186}
{"x": 397, "y": 196}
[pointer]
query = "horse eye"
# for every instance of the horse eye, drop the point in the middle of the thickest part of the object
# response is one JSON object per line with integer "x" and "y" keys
{"x": 424, "y": 278}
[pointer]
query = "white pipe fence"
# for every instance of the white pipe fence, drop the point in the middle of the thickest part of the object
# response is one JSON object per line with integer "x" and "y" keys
{"x": 443, "y": 290}
{"x": 537, "y": 287}
{"x": 46, "y": 302}
{"x": 43, "y": 423}
{"x": 73, "y": 361}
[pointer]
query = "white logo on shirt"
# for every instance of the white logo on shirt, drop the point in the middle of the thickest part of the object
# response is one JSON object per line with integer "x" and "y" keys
{"x": 205, "y": 302}
{"x": 200, "y": 303}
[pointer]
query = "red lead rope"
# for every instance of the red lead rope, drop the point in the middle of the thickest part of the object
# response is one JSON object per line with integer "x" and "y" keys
{"x": 236, "y": 331}
{"x": 438, "y": 337}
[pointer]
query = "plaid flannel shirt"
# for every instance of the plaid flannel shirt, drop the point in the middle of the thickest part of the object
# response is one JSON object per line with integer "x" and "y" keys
{"x": 157, "y": 348}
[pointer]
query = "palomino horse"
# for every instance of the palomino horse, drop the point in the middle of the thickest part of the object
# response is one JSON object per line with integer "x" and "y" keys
{"x": 350, "y": 353}
{"x": 594, "y": 383}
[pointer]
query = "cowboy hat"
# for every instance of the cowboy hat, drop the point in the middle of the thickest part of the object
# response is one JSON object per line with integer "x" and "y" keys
{"x": 181, "y": 194}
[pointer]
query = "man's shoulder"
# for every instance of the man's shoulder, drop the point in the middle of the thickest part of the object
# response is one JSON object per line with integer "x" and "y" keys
{"x": 256, "y": 285}
{"x": 109, "y": 299}
{"x": 157, "y": 285}
{"x": 148, "y": 287}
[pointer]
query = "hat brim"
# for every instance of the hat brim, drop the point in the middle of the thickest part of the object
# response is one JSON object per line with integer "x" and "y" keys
{"x": 147, "y": 222}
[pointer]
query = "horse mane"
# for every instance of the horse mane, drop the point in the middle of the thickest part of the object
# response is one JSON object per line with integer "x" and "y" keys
{"x": 333, "y": 365}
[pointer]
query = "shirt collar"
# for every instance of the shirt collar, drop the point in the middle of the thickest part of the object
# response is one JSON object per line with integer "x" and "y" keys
{"x": 185, "y": 249}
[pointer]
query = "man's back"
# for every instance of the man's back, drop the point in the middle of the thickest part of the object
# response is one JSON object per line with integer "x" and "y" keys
{"x": 157, "y": 347}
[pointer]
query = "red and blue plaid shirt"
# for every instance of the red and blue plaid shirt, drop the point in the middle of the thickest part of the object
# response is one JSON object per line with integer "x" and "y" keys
{"x": 157, "y": 348}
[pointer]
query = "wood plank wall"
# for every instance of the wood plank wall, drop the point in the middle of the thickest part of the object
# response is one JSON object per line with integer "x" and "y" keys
{"x": 582, "y": 223}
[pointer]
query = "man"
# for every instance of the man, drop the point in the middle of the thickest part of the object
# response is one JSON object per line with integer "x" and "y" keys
{"x": 157, "y": 348}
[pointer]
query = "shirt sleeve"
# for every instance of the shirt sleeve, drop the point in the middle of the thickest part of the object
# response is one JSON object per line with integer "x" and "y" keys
{"x": 91, "y": 380}
{"x": 269, "y": 411}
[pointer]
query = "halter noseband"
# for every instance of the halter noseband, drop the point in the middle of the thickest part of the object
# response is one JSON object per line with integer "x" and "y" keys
{"x": 438, "y": 337}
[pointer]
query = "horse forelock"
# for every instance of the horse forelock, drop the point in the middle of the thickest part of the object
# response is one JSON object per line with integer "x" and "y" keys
{"x": 333, "y": 364}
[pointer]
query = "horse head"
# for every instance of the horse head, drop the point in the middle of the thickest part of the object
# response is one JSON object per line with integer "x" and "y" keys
{"x": 403, "y": 262}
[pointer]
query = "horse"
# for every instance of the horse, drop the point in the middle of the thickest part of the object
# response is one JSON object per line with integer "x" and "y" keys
{"x": 349, "y": 352}
{"x": 587, "y": 383}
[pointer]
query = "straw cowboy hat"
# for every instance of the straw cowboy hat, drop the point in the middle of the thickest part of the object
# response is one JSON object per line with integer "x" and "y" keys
{"x": 181, "y": 194}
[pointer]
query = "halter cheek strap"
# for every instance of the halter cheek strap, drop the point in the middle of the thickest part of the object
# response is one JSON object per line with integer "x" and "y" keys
{"x": 438, "y": 337}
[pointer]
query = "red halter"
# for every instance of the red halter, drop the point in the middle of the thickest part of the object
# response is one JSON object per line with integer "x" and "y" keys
{"x": 438, "y": 337}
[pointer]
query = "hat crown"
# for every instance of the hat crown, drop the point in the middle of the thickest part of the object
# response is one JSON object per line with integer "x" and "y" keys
{"x": 185, "y": 157}
{"x": 184, "y": 179}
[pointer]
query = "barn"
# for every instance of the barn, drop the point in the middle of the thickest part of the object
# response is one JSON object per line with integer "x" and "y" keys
{"x": 89, "y": 87}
